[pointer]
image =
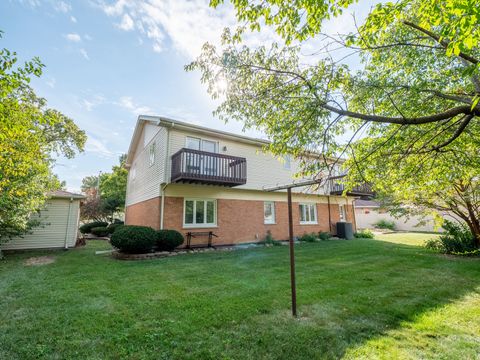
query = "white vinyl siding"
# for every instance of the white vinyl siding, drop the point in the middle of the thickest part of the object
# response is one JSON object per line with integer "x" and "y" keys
{"x": 269, "y": 212}
{"x": 59, "y": 224}
{"x": 199, "y": 213}
{"x": 308, "y": 213}
{"x": 145, "y": 177}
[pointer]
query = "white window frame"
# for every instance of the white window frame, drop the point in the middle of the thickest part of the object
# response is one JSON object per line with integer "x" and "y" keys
{"x": 205, "y": 224}
{"x": 265, "y": 220}
{"x": 151, "y": 153}
{"x": 308, "y": 205}
{"x": 342, "y": 212}
{"x": 200, "y": 143}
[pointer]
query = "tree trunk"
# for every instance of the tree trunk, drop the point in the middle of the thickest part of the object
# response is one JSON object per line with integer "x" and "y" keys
{"x": 473, "y": 224}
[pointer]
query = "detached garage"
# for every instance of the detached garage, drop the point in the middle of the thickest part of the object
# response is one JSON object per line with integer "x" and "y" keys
{"x": 60, "y": 223}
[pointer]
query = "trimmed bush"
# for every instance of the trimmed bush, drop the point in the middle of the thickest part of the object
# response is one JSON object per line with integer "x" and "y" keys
{"x": 113, "y": 227}
{"x": 132, "y": 239}
{"x": 385, "y": 224}
{"x": 100, "y": 231}
{"x": 168, "y": 240}
{"x": 457, "y": 239}
{"x": 364, "y": 234}
{"x": 308, "y": 237}
{"x": 87, "y": 228}
{"x": 323, "y": 235}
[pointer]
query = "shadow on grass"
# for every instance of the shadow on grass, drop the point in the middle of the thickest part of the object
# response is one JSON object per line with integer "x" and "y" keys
{"x": 228, "y": 304}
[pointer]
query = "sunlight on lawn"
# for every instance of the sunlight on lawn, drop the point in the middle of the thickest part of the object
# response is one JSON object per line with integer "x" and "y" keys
{"x": 407, "y": 238}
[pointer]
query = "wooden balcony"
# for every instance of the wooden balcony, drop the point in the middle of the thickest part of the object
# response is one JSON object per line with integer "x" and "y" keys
{"x": 202, "y": 167}
{"x": 337, "y": 187}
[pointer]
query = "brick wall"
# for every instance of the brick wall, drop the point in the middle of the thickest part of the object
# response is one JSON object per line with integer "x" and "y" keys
{"x": 242, "y": 220}
{"x": 146, "y": 213}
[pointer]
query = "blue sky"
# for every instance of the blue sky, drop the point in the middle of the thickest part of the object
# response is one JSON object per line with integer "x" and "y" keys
{"x": 109, "y": 61}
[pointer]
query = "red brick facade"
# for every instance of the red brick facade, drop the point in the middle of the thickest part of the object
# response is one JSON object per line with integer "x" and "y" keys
{"x": 145, "y": 213}
{"x": 238, "y": 221}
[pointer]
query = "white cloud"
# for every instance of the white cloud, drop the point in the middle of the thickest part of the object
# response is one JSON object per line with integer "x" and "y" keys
{"x": 128, "y": 103}
{"x": 62, "y": 6}
{"x": 73, "y": 19}
{"x": 93, "y": 102}
{"x": 84, "y": 54}
{"x": 87, "y": 37}
{"x": 73, "y": 37}
{"x": 98, "y": 147}
{"x": 185, "y": 25}
{"x": 51, "y": 82}
{"x": 127, "y": 23}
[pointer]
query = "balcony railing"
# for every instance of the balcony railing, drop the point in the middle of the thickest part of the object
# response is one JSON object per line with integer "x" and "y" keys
{"x": 337, "y": 187}
{"x": 195, "y": 166}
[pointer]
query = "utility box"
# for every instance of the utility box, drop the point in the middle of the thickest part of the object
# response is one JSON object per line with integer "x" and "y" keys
{"x": 345, "y": 230}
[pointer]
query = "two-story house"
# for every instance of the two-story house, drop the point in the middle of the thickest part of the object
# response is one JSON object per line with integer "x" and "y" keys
{"x": 192, "y": 178}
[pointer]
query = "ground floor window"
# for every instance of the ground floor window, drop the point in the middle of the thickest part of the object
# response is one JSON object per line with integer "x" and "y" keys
{"x": 308, "y": 213}
{"x": 200, "y": 213}
{"x": 269, "y": 212}
{"x": 343, "y": 213}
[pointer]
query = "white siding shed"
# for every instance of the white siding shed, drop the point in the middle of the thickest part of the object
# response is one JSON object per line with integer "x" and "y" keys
{"x": 60, "y": 223}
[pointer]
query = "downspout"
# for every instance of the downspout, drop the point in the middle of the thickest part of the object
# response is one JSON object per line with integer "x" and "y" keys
{"x": 354, "y": 216}
{"x": 329, "y": 215}
{"x": 165, "y": 178}
{"x": 68, "y": 223}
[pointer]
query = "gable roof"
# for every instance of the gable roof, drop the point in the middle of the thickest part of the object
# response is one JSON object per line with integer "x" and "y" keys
{"x": 65, "y": 195}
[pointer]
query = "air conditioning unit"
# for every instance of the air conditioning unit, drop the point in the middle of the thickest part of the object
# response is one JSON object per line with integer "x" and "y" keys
{"x": 345, "y": 230}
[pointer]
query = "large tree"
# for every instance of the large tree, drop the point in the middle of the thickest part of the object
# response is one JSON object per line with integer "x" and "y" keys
{"x": 30, "y": 134}
{"x": 418, "y": 77}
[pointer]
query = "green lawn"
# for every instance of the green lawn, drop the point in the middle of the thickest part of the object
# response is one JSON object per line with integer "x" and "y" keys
{"x": 357, "y": 299}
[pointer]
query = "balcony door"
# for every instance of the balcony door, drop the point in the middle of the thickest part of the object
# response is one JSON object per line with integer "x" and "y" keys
{"x": 201, "y": 164}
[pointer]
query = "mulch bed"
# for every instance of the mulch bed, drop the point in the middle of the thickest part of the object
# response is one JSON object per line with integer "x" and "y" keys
{"x": 163, "y": 254}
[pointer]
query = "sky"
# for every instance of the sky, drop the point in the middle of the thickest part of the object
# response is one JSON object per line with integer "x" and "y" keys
{"x": 109, "y": 61}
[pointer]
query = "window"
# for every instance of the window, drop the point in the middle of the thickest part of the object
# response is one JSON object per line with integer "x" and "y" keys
{"x": 200, "y": 213}
{"x": 200, "y": 144}
{"x": 269, "y": 212}
{"x": 192, "y": 143}
{"x": 343, "y": 215}
{"x": 287, "y": 162}
{"x": 308, "y": 214}
{"x": 151, "y": 154}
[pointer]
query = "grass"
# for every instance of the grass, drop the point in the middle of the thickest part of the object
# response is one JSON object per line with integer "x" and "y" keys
{"x": 357, "y": 299}
{"x": 411, "y": 238}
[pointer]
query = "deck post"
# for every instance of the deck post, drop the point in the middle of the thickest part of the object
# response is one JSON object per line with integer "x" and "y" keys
{"x": 292, "y": 253}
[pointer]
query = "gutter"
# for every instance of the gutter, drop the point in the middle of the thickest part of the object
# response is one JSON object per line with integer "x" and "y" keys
{"x": 165, "y": 177}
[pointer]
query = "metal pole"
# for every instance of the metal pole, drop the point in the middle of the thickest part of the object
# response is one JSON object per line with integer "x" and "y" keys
{"x": 292, "y": 254}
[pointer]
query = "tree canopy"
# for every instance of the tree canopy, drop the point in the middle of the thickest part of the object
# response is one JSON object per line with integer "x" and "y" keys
{"x": 30, "y": 134}
{"x": 418, "y": 76}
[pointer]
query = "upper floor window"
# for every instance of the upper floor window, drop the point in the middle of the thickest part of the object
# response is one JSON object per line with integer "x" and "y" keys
{"x": 287, "y": 163}
{"x": 200, "y": 213}
{"x": 269, "y": 212}
{"x": 151, "y": 154}
{"x": 201, "y": 144}
{"x": 308, "y": 213}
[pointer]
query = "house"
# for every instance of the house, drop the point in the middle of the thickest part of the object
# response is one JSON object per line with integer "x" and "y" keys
{"x": 195, "y": 179}
{"x": 59, "y": 224}
{"x": 369, "y": 212}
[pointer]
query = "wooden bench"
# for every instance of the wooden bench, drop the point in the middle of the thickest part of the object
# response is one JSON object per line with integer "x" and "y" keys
{"x": 191, "y": 234}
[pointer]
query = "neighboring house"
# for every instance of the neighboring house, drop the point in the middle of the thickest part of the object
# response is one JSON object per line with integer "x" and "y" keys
{"x": 368, "y": 213}
{"x": 191, "y": 178}
{"x": 59, "y": 226}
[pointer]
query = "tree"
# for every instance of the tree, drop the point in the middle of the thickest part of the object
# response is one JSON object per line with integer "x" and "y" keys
{"x": 418, "y": 77}
{"x": 430, "y": 183}
{"x": 111, "y": 199}
{"x": 30, "y": 133}
{"x": 113, "y": 186}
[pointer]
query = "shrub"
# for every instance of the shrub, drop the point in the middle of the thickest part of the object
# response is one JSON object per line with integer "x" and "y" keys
{"x": 168, "y": 240}
{"x": 312, "y": 237}
{"x": 323, "y": 235}
{"x": 385, "y": 224}
{"x": 457, "y": 239}
{"x": 100, "y": 231}
{"x": 269, "y": 240}
{"x": 87, "y": 228}
{"x": 118, "y": 221}
{"x": 113, "y": 227}
{"x": 133, "y": 239}
{"x": 364, "y": 234}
